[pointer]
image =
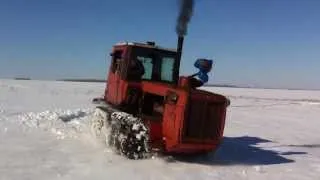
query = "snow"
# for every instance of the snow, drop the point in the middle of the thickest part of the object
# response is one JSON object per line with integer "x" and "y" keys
{"x": 135, "y": 127}
{"x": 45, "y": 134}
{"x": 60, "y": 122}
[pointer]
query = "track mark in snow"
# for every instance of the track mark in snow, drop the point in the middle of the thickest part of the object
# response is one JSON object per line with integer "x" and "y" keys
{"x": 62, "y": 123}
{"x": 72, "y": 115}
{"x": 259, "y": 169}
{"x": 306, "y": 145}
{"x": 317, "y": 167}
{"x": 288, "y": 100}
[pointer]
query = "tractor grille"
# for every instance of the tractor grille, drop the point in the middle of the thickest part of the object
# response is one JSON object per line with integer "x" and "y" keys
{"x": 204, "y": 120}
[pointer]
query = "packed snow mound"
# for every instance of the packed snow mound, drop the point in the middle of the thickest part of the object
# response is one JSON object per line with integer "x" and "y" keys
{"x": 63, "y": 123}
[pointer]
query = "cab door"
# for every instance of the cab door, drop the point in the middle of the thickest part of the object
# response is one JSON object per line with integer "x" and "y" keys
{"x": 114, "y": 78}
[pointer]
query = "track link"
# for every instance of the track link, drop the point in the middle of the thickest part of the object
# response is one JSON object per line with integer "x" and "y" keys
{"x": 124, "y": 133}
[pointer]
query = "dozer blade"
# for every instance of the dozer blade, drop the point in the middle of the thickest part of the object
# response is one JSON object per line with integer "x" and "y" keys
{"x": 124, "y": 133}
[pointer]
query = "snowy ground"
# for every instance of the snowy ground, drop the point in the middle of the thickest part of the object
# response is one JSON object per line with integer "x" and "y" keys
{"x": 270, "y": 134}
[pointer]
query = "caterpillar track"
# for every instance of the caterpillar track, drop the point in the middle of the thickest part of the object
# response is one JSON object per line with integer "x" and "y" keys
{"x": 124, "y": 133}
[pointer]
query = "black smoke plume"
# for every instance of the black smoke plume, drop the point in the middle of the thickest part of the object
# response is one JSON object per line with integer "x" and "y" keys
{"x": 185, "y": 14}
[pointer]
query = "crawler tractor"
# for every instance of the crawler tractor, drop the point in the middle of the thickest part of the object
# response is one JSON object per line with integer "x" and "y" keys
{"x": 147, "y": 107}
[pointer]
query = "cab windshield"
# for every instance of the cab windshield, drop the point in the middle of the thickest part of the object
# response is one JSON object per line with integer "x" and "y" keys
{"x": 158, "y": 65}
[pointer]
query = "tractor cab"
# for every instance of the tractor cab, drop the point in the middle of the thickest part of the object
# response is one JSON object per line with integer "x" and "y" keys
{"x": 132, "y": 63}
{"x": 159, "y": 64}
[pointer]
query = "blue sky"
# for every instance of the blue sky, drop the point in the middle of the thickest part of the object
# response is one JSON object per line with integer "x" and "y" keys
{"x": 270, "y": 43}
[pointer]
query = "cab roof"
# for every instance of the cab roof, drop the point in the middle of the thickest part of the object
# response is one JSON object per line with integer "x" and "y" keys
{"x": 145, "y": 45}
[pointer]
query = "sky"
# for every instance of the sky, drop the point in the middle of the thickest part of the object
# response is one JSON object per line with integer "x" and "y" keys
{"x": 261, "y": 43}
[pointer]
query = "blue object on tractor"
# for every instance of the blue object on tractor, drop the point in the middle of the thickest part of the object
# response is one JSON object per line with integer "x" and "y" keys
{"x": 204, "y": 66}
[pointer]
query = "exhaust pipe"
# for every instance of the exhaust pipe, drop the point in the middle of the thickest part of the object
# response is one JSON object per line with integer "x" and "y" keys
{"x": 178, "y": 58}
{"x": 179, "y": 48}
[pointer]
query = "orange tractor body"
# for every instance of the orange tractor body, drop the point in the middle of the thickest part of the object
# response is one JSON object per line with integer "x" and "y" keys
{"x": 180, "y": 118}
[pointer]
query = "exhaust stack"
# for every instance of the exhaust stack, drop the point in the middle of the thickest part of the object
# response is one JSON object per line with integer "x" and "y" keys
{"x": 178, "y": 58}
{"x": 179, "y": 48}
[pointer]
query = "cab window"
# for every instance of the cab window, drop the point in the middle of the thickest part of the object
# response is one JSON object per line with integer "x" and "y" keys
{"x": 148, "y": 66}
{"x": 167, "y": 64}
{"x": 116, "y": 60}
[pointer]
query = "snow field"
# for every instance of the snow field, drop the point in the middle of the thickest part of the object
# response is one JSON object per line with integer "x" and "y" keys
{"x": 45, "y": 134}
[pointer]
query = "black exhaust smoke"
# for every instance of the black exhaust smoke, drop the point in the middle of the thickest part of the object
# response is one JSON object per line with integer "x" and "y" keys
{"x": 184, "y": 17}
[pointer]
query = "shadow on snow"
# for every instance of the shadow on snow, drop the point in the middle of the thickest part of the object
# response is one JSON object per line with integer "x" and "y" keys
{"x": 240, "y": 151}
